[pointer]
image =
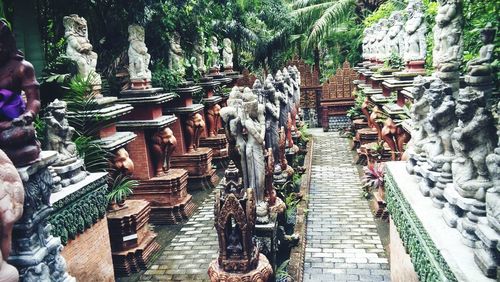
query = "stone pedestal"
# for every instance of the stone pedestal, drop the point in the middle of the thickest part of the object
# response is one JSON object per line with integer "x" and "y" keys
{"x": 416, "y": 67}
{"x": 437, "y": 251}
{"x": 132, "y": 241}
{"x": 35, "y": 252}
{"x": 168, "y": 194}
{"x": 263, "y": 272}
{"x": 268, "y": 242}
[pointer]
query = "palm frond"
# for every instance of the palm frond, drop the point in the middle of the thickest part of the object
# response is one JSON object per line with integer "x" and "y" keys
{"x": 298, "y": 4}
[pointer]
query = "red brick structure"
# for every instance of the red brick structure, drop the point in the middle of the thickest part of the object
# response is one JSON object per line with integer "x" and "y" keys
{"x": 247, "y": 79}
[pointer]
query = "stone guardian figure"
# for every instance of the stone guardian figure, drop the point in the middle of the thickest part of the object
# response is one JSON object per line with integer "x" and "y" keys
{"x": 227, "y": 54}
{"x": 138, "y": 56}
{"x": 176, "y": 55}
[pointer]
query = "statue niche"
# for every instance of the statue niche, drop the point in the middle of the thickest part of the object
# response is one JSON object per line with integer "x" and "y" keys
{"x": 17, "y": 134}
{"x": 163, "y": 143}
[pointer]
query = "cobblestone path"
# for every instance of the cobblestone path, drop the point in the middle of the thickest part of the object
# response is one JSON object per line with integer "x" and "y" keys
{"x": 342, "y": 239}
{"x": 187, "y": 257}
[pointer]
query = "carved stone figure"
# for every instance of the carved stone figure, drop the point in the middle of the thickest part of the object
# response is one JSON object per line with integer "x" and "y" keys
{"x": 199, "y": 54}
{"x": 213, "y": 120}
{"x": 272, "y": 119}
{"x": 474, "y": 139}
{"x": 59, "y": 133}
{"x": 257, "y": 89}
{"x": 79, "y": 48}
{"x": 122, "y": 163}
{"x": 11, "y": 210}
{"x": 291, "y": 107}
{"x": 282, "y": 97}
{"x": 296, "y": 87}
{"x": 215, "y": 55}
{"x": 481, "y": 66}
{"x": 367, "y": 33}
{"x": 227, "y": 54}
{"x": 395, "y": 34}
{"x": 415, "y": 28}
{"x": 253, "y": 122}
{"x": 448, "y": 39}
{"x": 419, "y": 112}
{"x": 373, "y": 41}
{"x": 138, "y": 56}
{"x": 493, "y": 195}
{"x": 163, "y": 144}
{"x": 381, "y": 37}
{"x": 176, "y": 55}
{"x": 17, "y": 134}
{"x": 194, "y": 127}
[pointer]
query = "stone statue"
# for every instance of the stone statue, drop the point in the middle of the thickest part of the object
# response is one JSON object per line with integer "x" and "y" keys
{"x": 442, "y": 120}
{"x": 447, "y": 52}
{"x": 474, "y": 139}
{"x": 299, "y": 81}
{"x": 294, "y": 78}
{"x": 366, "y": 41}
{"x": 17, "y": 134}
{"x": 395, "y": 35}
{"x": 415, "y": 28}
{"x": 272, "y": 119}
{"x": 227, "y": 54}
{"x": 213, "y": 119}
{"x": 138, "y": 56}
{"x": 199, "y": 54}
{"x": 419, "y": 112}
{"x": 253, "y": 121}
{"x": 59, "y": 133}
{"x": 122, "y": 163}
{"x": 79, "y": 49}
{"x": 215, "y": 55}
{"x": 257, "y": 89}
{"x": 493, "y": 195}
{"x": 373, "y": 41}
{"x": 381, "y": 37}
{"x": 481, "y": 65}
{"x": 194, "y": 127}
{"x": 176, "y": 55}
{"x": 163, "y": 144}
{"x": 11, "y": 209}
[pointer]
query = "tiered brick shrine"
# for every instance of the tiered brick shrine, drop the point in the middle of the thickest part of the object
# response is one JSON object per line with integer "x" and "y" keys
{"x": 132, "y": 240}
{"x": 189, "y": 155}
{"x": 170, "y": 202}
{"x": 211, "y": 137}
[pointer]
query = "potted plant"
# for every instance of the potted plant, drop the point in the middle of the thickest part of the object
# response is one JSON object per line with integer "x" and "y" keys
{"x": 374, "y": 178}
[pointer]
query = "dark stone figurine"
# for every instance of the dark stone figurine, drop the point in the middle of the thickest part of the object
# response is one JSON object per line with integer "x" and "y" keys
{"x": 17, "y": 134}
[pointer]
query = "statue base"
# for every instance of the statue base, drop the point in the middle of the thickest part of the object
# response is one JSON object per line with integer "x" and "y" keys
{"x": 263, "y": 272}
{"x": 416, "y": 67}
{"x": 198, "y": 164}
{"x": 132, "y": 241}
{"x": 170, "y": 201}
{"x": 140, "y": 84}
{"x": 218, "y": 144}
{"x": 486, "y": 254}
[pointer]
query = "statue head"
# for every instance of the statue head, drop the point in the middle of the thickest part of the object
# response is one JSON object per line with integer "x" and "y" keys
{"x": 269, "y": 91}
{"x": 250, "y": 103}
{"x": 488, "y": 34}
{"x": 420, "y": 85}
{"x": 122, "y": 162}
{"x": 175, "y": 43}
{"x": 164, "y": 136}
{"x": 270, "y": 78}
{"x": 468, "y": 102}
{"x": 197, "y": 120}
{"x": 214, "y": 42}
{"x": 57, "y": 109}
{"x": 257, "y": 87}
{"x": 438, "y": 90}
{"x": 8, "y": 49}
{"x": 227, "y": 43}
{"x": 286, "y": 75}
{"x": 135, "y": 32}
{"x": 75, "y": 25}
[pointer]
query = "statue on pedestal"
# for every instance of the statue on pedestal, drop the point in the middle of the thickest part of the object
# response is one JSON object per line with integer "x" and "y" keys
{"x": 395, "y": 34}
{"x": 17, "y": 134}
{"x": 11, "y": 210}
{"x": 227, "y": 54}
{"x": 448, "y": 46}
{"x": 290, "y": 126}
{"x": 199, "y": 54}
{"x": 176, "y": 55}
{"x": 215, "y": 55}
{"x": 415, "y": 28}
{"x": 383, "y": 28}
{"x": 59, "y": 133}
{"x": 163, "y": 144}
{"x": 419, "y": 112}
{"x": 194, "y": 127}
{"x": 272, "y": 119}
{"x": 138, "y": 57}
{"x": 79, "y": 49}
{"x": 481, "y": 65}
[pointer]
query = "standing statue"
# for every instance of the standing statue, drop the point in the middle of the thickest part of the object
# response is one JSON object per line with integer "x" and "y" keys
{"x": 257, "y": 89}
{"x": 294, "y": 78}
{"x": 447, "y": 52}
{"x": 282, "y": 97}
{"x": 367, "y": 33}
{"x": 176, "y": 55}
{"x": 79, "y": 49}
{"x": 163, "y": 144}
{"x": 12, "y": 201}
{"x": 415, "y": 28}
{"x": 214, "y": 58}
{"x": 194, "y": 127}
{"x": 17, "y": 134}
{"x": 474, "y": 139}
{"x": 381, "y": 39}
{"x": 138, "y": 57}
{"x": 419, "y": 112}
{"x": 395, "y": 34}
{"x": 272, "y": 119}
{"x": 227, "y": 54}
{"x": 59, "y": 133}
{"x": 199, "y": 53}
{"x": 292, "y": 112}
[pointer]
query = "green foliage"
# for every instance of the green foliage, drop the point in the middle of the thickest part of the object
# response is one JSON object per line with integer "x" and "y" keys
{"x": 430, "y": 10}
{"x": 383, "y": 12}
{"x": 121, "y": 187}
{"x": 355, "y": 111}
{"x": 395, "y": 61}
{"x": 282, "y": 272}
{"x": 164, "y": 77}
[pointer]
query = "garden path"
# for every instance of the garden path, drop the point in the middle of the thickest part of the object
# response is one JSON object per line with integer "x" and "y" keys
{"x": 342, "y": 239}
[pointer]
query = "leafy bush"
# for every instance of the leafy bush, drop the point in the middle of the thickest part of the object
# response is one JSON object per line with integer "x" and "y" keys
{"x": 164, "y": 77}
{"x": 355, "y": 110}
{"x": 383, "y": 12}
{"x": 120, "y": 187}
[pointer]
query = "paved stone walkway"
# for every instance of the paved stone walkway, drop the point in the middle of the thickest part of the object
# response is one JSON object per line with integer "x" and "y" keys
{"x": 342, "y": 239}
{"x": 187, "y": 257}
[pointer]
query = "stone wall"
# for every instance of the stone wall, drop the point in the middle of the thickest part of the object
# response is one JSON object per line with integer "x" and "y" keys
{"x": 88, "y": 256}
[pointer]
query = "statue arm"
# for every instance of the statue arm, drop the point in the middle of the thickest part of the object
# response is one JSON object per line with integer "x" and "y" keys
{"x": 253, "y": 131}
{"x": 475, "y": 126}
{"x": 272, "y": 110}
{"x": 30, "y": 87}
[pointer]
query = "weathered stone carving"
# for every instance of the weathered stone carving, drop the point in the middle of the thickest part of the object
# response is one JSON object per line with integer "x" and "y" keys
{"x": 17, "y": 134}
{"x": 162, "y": 146}
{"x": 213, "y": 120}
{"x": 272, "y": 119}
{"x": 415, "y": 28}
{"x": 395, "y": 44}
{"x": 11, "y": 209}
{"x": 215, "y": 55}
{"x": 138, "y": 56}
{"x": 366, "y": 48}
{"x": 176, "y": 55}
{"x": 122, "y": 163}
{"x": 479, "y": 74}
{"x": 227, "y": 54}
{"x": 419, "y": 112}
{"x": 79, "y": 49}
{"x": 194, "y": 127}
{"x": 383, "y": 28}
{"x": 199, "y": 54}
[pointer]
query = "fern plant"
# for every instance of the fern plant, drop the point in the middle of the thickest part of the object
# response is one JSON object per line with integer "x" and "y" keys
{"x": 120, "y": 188}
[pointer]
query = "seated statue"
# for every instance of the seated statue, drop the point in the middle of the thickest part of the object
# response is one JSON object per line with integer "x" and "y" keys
{"x": 58, "y": 131}
{"x": 138, "y": 56}
{"x": 17, "y": 134}
{"x": 481, "y": 66}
